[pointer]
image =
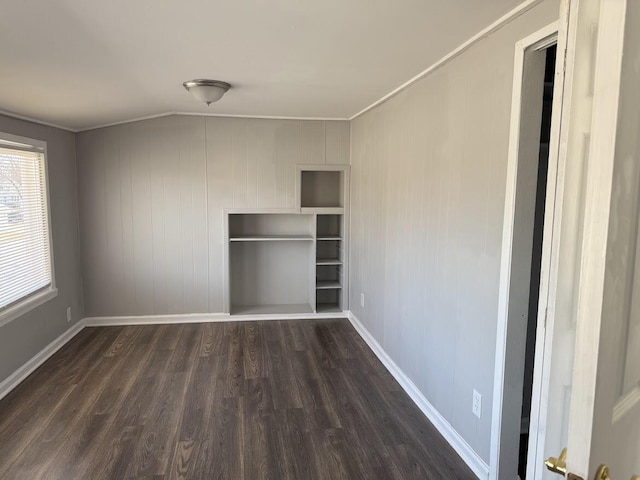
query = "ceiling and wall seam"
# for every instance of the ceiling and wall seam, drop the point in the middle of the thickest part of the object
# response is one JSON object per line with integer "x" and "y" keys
{"x": 35, "y": 120}
{"x": 496, "y": 25}
{"x": 502, "y": 21}
{"x": 217, "y": 115}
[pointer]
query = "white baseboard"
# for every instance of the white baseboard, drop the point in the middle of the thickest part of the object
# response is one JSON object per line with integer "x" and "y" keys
{"x": 204, "y": 318}
{"x": 470, "y": 457}
{"x": 38, "y": 359}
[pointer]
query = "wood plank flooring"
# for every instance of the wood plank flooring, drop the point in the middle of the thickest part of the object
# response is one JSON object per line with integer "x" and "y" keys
{"x": 298, "y": 400}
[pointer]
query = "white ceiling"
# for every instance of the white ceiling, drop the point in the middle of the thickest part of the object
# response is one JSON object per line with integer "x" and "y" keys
{"x": 85, "y": 63}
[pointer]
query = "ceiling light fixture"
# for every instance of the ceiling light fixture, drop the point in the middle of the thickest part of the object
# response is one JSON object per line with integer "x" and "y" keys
{"x": 207, "y": 91}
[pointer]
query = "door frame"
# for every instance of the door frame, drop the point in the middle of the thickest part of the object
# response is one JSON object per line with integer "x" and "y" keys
{"x": 607, "y": 66}
{"x": 541, "y": 39}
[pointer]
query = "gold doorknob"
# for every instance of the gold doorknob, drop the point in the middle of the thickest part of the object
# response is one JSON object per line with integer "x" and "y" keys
{"x": 602, "y": 473}
{"x": 558, "y": 465}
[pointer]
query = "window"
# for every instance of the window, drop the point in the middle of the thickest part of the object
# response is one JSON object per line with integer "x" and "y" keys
{"x": 26, "y": 267}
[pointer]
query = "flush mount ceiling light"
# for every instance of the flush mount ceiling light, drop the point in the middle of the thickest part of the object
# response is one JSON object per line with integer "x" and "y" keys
{"x": 207, "y": 91}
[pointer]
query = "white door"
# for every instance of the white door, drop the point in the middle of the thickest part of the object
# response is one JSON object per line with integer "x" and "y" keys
{"x": 589, "y": 388}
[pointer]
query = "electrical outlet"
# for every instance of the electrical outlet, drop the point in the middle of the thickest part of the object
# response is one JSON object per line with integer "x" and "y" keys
{"x": 477, "y": 404}
{"x": 362, "y": 300}
{"x": 68, "y": 314}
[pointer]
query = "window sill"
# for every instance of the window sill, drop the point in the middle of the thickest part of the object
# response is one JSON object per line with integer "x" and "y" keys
{"x": 27, "y": 304}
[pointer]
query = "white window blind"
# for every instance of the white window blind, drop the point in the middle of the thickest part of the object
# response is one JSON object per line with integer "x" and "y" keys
{"x": 25, "y": 257}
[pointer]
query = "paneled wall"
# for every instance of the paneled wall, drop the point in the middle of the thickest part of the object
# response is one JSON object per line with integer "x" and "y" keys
{"x": 428, "y": 182}
{"x": 152, "y": 195}
{"x": 27, "y": 335}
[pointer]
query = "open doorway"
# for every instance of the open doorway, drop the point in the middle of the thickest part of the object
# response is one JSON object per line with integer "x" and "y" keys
{"x": 527, "y": 224}
{"x": 536, "y": 254}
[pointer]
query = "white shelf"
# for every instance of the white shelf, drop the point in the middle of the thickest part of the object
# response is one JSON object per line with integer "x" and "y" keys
{"x": 328, "y": 261}
{"x": 291, "y": 261}
{"x": 328, "y": 285}
{"x": 328, "y": 308}
{"x": 322, "y": 188}
{"x": 270, "y": 238}
{"x": 270, "y": 309}
{"x": 322, "y": 210}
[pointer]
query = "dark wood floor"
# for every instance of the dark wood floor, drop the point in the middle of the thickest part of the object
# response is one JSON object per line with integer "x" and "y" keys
{"x": 295, "y": 400}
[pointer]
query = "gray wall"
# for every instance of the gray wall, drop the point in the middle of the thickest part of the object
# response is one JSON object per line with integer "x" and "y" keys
{"x": 152, "y": 195}
{"x": 25, "y": 336}
{"x": 427, "y": 203}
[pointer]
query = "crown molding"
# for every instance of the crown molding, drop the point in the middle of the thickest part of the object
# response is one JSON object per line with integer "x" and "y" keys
{"x": 17, "y": 116}
{"x": 502, "y": 21}
{"x": 220, "y": 115}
